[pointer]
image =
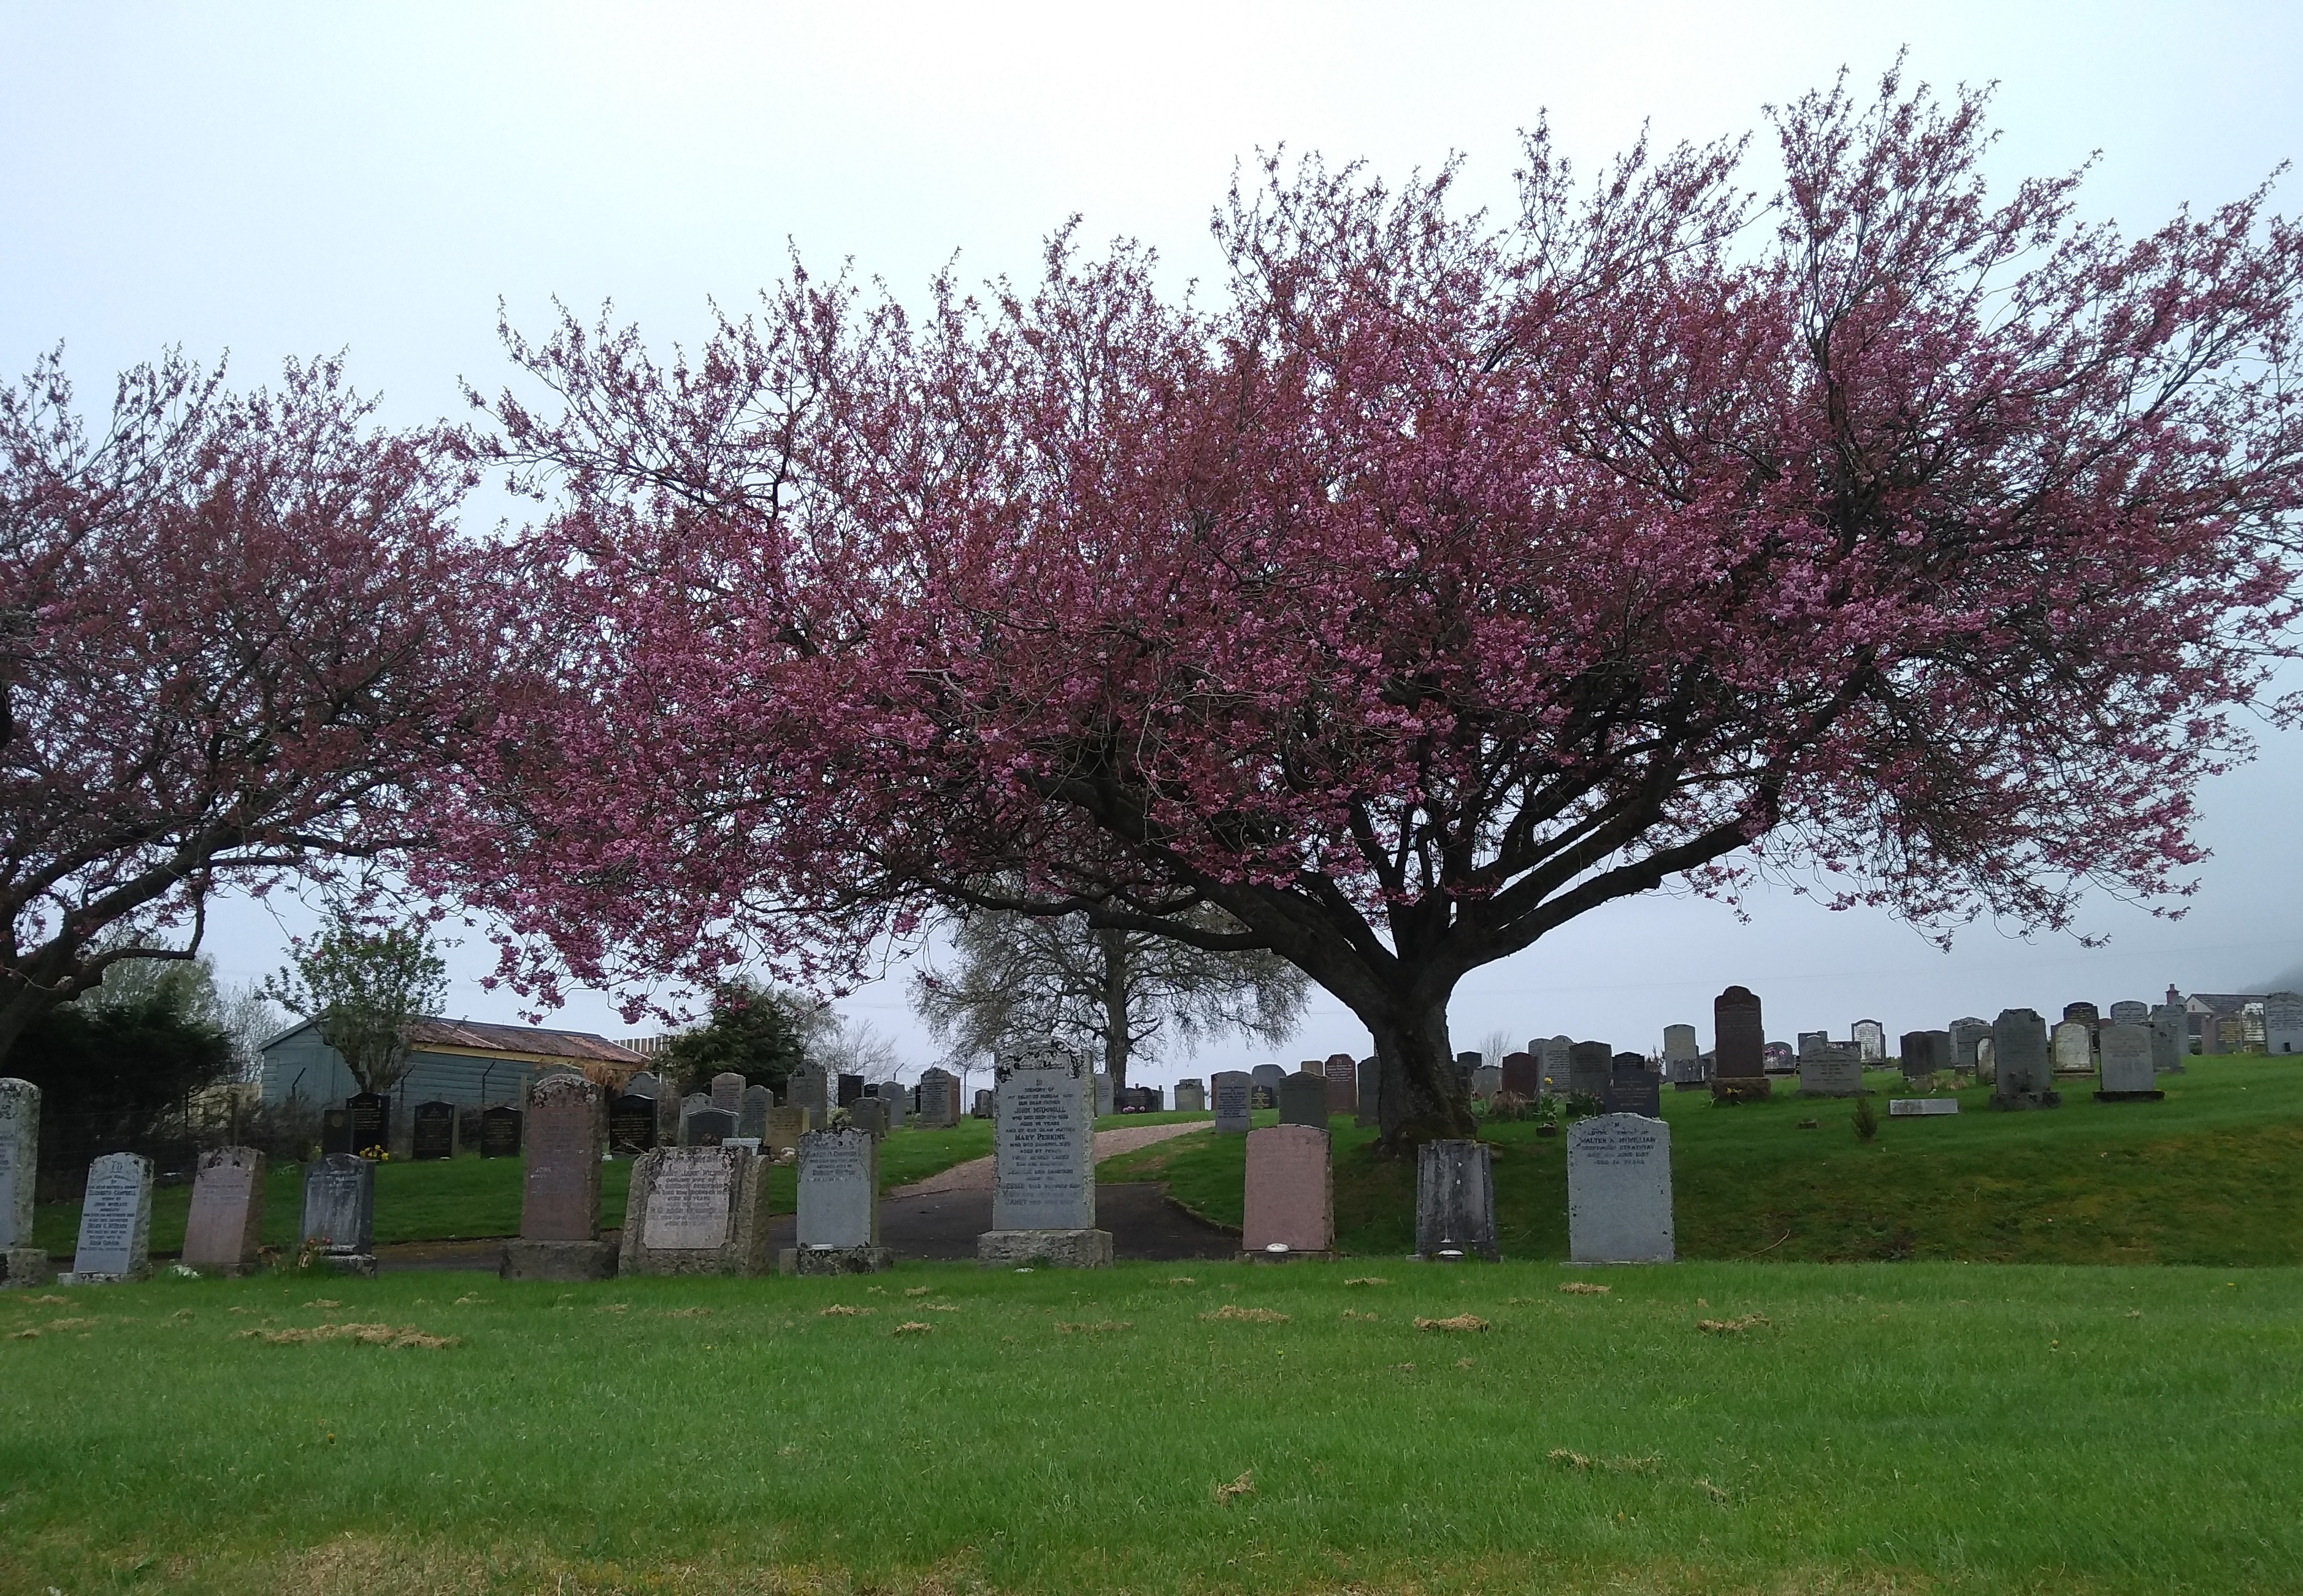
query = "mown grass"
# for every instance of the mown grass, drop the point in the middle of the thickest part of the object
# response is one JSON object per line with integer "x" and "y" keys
{"x": 1867, "y": 1428}
{"x": 2208, "y": 1177}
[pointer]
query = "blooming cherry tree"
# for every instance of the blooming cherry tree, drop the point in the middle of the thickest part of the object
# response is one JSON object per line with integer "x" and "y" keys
{"x": 1446, "y": 580}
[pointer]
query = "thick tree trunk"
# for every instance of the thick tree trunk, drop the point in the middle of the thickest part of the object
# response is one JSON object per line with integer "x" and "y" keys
{"x": 1419, "y": 1100}
{"x": 1114, "y": 1004}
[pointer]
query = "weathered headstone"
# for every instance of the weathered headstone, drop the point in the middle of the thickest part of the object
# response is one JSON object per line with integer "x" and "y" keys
{"x": 1589, "y": 1065}
{"x": 1834, "y": 1070}
{"x": 340, "y": 1213}
{"x": 646, "y": 1084}
{"x": 1920, "y": 1108}
{"x": 1987, "y": 1071}
{"x": 1871, "y": 1039}
{"x": 1304, "y": 1100}
{"x": 226, "y": 1222}
{"x": 987, "y": 1103}
{"x": 1558, "y": 1063}
{"x": 1522, "y": 1076}
{"x": 810, "y": 1089}
{"x": 1290, "y": 1208}
{"x": 1191, "y": 1097}
{"x": 1232, "y": 1088}
{"x": 2283, "y": 1023}
{"x": 1633, "y": 1088}
{"x": 1777, "y": 1058}
{"x": 2170, "y": 1039}
{"x": 695, "y": 1211}
{"x": 1915, "y": 1055}
{"x": 728, "y": 1091}
{"x": 786, "y": 1125}
{"x": 1043, "y": 1168}
{"x": 1965, "y": 1034}
{"x": 2127, "y": 1073}
{"x": 631, "y": 1124}
{"x": 500, "y": 1132}
{"x": 1486, "y": 1080}
{"x": 2074, "y": 1047}
{"x": 1455, "y": 1202}
{"x": 567, "y": 1131}
{"x": 1619, "y": 1190}
{"x": 115, "y": 1222}
{"x": 706, "y": 1127}
{"x": 1739, "y": 1065}
{"x": 2130, "y": 1013}
{"x": 897, "y": 1103}
{"x": 1683, "y": 1057}
{"x": 1343, "y": 1073}
{"x": 869, "y": 1114}
{"x": 851, "y": 1087}
{"x": 432, "y": 1133}
{"x": 1104, "y": 1103}
{"x": 1370, "y": 1110}
{"x": 1263, "y": 1086}
{"x": 371, "y": 1121}
{"x": 1811, "y": 1043}
{"x": 939, "y": 1099}
{"x": 751, "y": 1112}
{"x": 335, "y": 1131}
{"x": 838, "y": 1228}
{"x": 21, "y": 1263}
{"x": 1467, "y": 1065}
{"x": 2085, "y": 1014}
{"x": 2023, "y": 1078}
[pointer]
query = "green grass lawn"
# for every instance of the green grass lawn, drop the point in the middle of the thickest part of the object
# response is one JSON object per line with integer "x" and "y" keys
{"x": 2208, "y": 1177}
{"x": 1869, "y": 1428}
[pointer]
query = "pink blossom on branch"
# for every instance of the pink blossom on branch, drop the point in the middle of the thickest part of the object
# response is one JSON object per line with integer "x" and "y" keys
{"x": 1446, "y": 581}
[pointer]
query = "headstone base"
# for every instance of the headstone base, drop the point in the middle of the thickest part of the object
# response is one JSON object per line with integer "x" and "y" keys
{"x": 91, "y": 1278}
{"x": 1742, "y": 1087}
{"x": 2130, "y": 1097}
{"x": 1050, "y": 1249}
{"x": 835, "y": 1261}
{"x": 1285, "y": 1256}
{"x": 23, "y": 1266}
{"x": 559, "y": 1260}
{"x": 2028, "y": 1100}
{"x": 348, "y": 1263}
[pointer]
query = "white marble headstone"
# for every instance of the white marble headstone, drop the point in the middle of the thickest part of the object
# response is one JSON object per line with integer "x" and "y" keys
{"x": 115, "y": 1220}
{"x": 839, "y": 1189}
{"x": 1044, "y": 1144}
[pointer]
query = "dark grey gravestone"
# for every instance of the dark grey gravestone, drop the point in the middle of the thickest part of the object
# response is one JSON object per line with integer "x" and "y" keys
{"x": 1304, "y": 1100}
{"x": 987, "y": 1105}
{"x": 2170, "y": 1039}
{"x": 728, "y": 1091}
{"x": 1739, "y": 1060}
{"x": 2025, "y": 1077}
{"x": 1370, "y": 1093}
{"x": 851, "y": 1087}
{"x": 646, "y": 1084}
{"x": 810, "y": 1089}
{"x": 434, "y": 1135}
{"x": 2085, "y": 1014}
{"x": 1633, "y": 1088}
{"x": 335, "y": 1131}
{"x": 1965, "y": 1034}
{"x": 1811, "y": 1043}
{"x": 1191, "y": 1097}
{"x": 939, "y": 1099}
{"x": 2127, "y": 1073}
{"x": 371, "y": 1121}
{"x": 1559, "y": 1065}
{"x": 1915, "y": 1055}
{"x": 2130, "y": 1013}
{"x": 751, "y": 1112}
{"x": 500, "y": 1132}
{"x": 1466, "y": 1066}
{"x": 1232, "y": 1088}
{"x": 898, "y": 1101}
{"x": 632, "y": 1124}
{"x": 1455, "y": 1202}
{"x": 1263, "y": 1084}
{"x": 339, "y": 1212}
{"x": 1589, "y": 1065}
{"x": 707, "y": 1127}
{"x": 1342, "y": 1071}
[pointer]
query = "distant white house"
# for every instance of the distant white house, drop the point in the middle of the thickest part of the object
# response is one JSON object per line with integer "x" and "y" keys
{"x": 452, "y": 1060}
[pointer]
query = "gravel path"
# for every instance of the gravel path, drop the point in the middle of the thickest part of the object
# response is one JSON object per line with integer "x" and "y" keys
{"x": 975, "y": 1174}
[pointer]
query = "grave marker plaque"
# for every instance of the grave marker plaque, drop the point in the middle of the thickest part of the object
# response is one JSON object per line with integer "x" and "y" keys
{"x": 21, "y": 1263}
{"x": 1232, "y": 1088}
{"x": 433, "y": 1134}
{"x": 1043, "y": 1149}
{"x": 115, "y": 1222}
{"x": 1920, "y": 1108}
{"x": 500, "y": 1132}
{"x": 226, "y": 1222}
{"x": 631, "y": 1124}
{"x": 1289, "y": 1198}
{"x": 1455, "y": 1202}
{"x": 1619, "y": 1190}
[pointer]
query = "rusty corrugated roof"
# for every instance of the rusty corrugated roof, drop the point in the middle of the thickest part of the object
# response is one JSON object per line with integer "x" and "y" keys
{"x": 519, "y": 1039}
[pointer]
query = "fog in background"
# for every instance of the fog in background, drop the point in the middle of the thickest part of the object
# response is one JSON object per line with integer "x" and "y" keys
{"x": 276, "y": 181}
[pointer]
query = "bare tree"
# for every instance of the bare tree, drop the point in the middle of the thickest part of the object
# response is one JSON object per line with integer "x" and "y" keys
{"x": 1020, "y": 981}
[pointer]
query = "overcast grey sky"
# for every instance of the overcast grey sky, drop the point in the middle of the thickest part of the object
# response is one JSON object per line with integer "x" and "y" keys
{"x": 294, "y": 179}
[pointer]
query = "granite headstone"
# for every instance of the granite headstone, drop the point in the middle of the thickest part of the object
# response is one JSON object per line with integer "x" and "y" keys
{"x": 226, "y": 1222}
{"x": 1619, "y": 1190}
{"x": 1455, "y": 1202}
{"x": 1289, "y": 1197}
{"x": 1043, "y": 1164}
{"x": 115, "y": 1222}
{"x": 1232, "y": 1088}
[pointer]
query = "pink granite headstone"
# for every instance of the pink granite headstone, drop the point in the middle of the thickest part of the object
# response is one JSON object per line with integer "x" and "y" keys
{"x": 1290, "y": 1199}
{"x": 1342, "y": 1083}
{"x": 566, "y": 1133}
{"x": 227, "y": 1217}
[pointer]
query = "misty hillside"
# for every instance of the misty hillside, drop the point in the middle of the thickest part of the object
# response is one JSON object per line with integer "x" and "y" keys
{"x": 2288, "y": 981}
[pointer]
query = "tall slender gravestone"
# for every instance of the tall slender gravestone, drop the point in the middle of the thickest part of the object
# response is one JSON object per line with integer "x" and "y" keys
{"x": 1290, "y": 1205}
{"x": 1044, "y": 1165}
{"x": 1589, "y": 1065}
{"x": 1304, "y": 1100}
{"x": 115, "y": 1222}
{"x": 2170, "y": 1039}
{"x": 340, "y": 1213}
{"x": 1370, "y": 1093}
{"x": 1191, "y": 1097}
{"x": 1619, "y": 1190}
{"x": 751, "y": 1112}
{"x": 986, "y": 1104}
{"x": 1103, "y": 1098}
{"x": 226, "y": 1223}
{"x": 1342, "y": 1083}
{"x": 1455, "y": 1202}
{"x": 560, "y": 1196}
{"x": 1965, "y": 1034}
{"x": 1559, "y": 1065}
{"x": 1871, "y": 1039}
{"x": 1739, "y": 1068}
{"x": 2127, "y": 1073}
{"x": 21, "y": 1263}
{"x": 838, "y": 1228}
{"x": 697, "y": 1211}
{"x": 1232, "y": 1089}
{"x": 370, "y": 1121}
{"x": 1263, "y": 1086}
{"x": 1467, "y": 1065}
{"x": 1683, "y": 1057}
{"x": 2023, "y": 1078}
{"x": 939, "y": 1099}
